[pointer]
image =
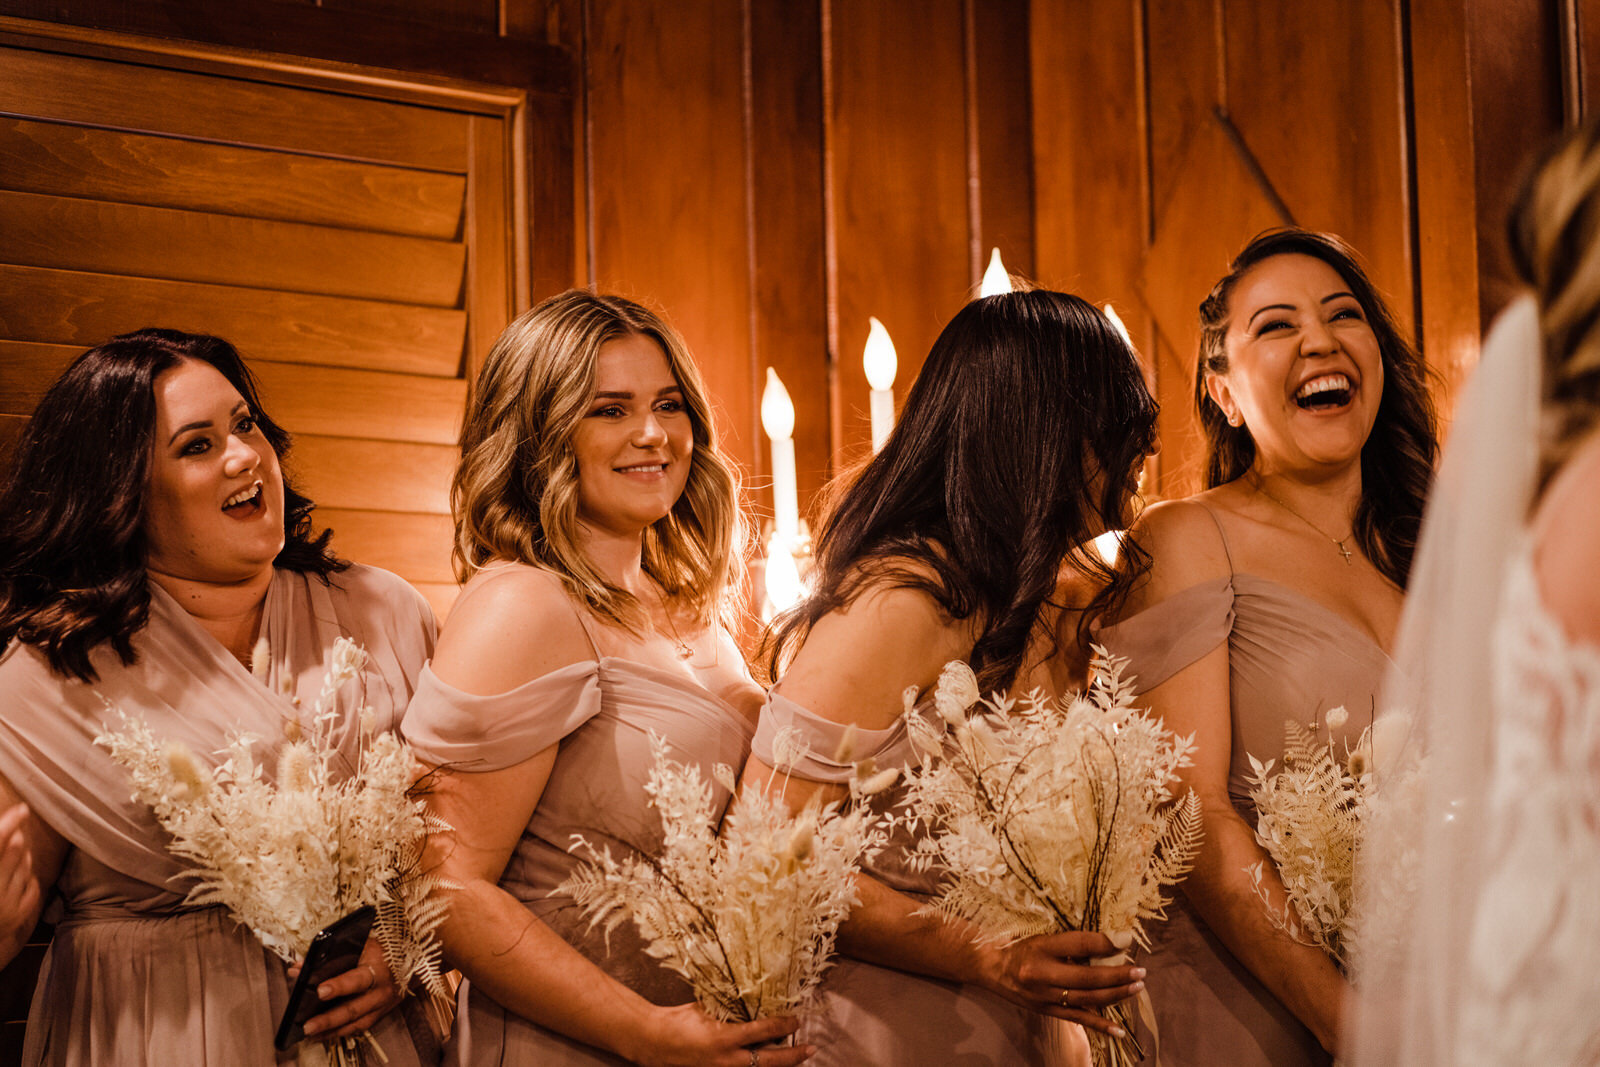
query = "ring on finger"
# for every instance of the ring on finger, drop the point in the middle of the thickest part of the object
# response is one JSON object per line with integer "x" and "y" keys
{"x": 755, "y": 1058}
{"x": 1066, "y": 995}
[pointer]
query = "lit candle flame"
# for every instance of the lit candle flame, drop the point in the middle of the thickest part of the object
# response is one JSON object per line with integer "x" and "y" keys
{"x": 879, "y": 360}
{"x": 995, "y": 278}
{"x": 783, "y": 576}
{"x": 1116, "y": 320}
{"x": 777, "y": 410}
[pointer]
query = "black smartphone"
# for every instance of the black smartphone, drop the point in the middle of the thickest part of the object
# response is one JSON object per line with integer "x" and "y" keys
{"x": 335, "y": 950}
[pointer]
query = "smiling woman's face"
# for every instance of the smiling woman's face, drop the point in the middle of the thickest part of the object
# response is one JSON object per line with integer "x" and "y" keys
{"x": 1305, "y": 374}
{"x": 214, "y": 511}
{"x": 636, "y": 440}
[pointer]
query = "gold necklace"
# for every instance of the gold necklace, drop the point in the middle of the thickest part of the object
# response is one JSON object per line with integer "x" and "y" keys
{"x": 1338, "y": 542}
{"x": 684, "y": 649}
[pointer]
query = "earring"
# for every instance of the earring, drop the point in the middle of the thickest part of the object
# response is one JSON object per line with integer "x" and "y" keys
{"x": 1234, "y": 419}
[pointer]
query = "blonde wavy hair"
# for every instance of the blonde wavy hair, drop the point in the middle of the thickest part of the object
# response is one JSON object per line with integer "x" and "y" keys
{"x": 515, "y": 491}
{"x": 1555, "y": 240}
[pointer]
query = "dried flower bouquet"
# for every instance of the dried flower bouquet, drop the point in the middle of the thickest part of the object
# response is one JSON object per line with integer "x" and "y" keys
{"x": 1052, "y": 816}
{"x": 749, "y": 918}
{"x": 1311, "y": 818}
{"x": 289, "y": 855}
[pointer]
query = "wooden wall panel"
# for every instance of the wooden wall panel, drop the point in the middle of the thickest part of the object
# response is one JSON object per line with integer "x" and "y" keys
{"x": 415, "y": 546}
{"x": 69, "y": 233}
{"x": 492, "y": 284}
{"x": 1000, "y": 110}
{"x": 374, "y": 475}
{"x": 788, "y": 224}
{"x": 132, "y": 168}
{"x": 1446, "y": 201}
{"x": 71, "y": 307}
{"x": 1316, "y": 92}
{"x": 477, "y": 16}
{"x": 670, "y": 226}
{"x": 898, "y": 177}
{"x": 1167, "y": 135}
{"x": 224, "y": 110}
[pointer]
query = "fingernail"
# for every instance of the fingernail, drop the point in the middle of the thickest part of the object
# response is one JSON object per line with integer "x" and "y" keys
{"x": 1138, "y": 972}
{"x": 1138, "y": 986}
{"x": 1117, "y": 1031}
{"x": 324, "y": 992}
{"x": 312, "y": 1029}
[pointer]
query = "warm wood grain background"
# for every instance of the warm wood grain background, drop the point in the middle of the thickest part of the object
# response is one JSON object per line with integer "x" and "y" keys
{"x": 341, "y": 188}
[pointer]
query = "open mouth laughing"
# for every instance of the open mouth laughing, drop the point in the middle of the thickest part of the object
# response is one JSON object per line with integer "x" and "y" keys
{"x": 1325, "y": 392}
{"x": 246, "y": 503}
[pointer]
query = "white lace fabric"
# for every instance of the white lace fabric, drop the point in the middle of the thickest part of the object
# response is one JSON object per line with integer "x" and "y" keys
{"x": 1532, "y": 988}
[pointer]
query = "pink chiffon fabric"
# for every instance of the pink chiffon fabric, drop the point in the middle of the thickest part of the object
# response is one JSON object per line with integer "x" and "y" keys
{"x": 1289, "y": 657}
{"x": 877, "y": 1015}
{"x": 134, "y": 976}
{"x": 602, "y": 713}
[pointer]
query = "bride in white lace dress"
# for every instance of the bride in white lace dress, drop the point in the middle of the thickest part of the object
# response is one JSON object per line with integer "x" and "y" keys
{"x": 1484, "y": 887}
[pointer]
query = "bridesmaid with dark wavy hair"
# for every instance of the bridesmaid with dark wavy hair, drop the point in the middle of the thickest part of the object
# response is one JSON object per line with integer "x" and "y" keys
{"x": 155, "y": 558}
{"x": 1271, "y": 596}
{"x": 968, "y": 537}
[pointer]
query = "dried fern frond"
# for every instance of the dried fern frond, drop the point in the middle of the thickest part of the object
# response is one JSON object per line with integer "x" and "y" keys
{"x": 749, "y": 918}
{"x": 290, "y": 854}
{"x": 1048, "y": 816}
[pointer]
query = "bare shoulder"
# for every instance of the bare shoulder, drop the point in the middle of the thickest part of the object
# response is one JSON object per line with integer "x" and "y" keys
{"x": 857, "y": 661}
{"x": 1567, "y": 544}
{"x": 1185, "y": 545}
{"x": 510, "y": 625}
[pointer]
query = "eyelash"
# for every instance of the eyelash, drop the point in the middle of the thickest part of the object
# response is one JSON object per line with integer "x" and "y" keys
{"x": 1338, "y": 314}
{"x": 201, "y": 445}
{"x": 615, "y": 410}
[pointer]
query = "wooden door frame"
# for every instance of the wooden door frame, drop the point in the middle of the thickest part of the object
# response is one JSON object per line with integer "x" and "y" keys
{"x": 528, "y": 83}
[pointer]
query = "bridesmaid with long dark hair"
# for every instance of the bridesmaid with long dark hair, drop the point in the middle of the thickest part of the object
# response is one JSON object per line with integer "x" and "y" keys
{"x": 1273, "y": 595}
{"x": 154, "y": 556}
{"x": 966, "y": 538}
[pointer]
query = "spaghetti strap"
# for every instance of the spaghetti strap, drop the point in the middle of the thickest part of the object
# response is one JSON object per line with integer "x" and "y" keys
{"x": 583, "y": 621}
{"x": 1220, "y": 533}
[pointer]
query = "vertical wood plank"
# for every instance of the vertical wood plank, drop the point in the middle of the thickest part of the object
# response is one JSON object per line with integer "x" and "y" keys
{"x": 1087, "y": 153}
{"x": 791, "y": 322}
{"x": 1446, "y": 191}
{"x": 489, "y": 251}
{"x": 551, "y": 189}
{"x": 1004, "y": 111}
{"x": 898, "y": 176}
{"x": 1514, "y": 47}
{"x": 669, "y": 214}
{"x": 1316, "y": 92}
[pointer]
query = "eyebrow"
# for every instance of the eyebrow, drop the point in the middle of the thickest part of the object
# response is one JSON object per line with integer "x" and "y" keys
{"x": 204, "y": 424}
{"x": 1290, "y": 307}
{"x": 629, "y": 396}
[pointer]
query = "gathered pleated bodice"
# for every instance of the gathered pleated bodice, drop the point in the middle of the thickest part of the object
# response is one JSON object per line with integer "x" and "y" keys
{"x": 601, "y": 713}
{"x": 135, "y": 975}
{"x": 1289, "y": 658}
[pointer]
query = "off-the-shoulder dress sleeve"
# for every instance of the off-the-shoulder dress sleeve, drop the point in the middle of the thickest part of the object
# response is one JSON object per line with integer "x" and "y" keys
{"x": 489, "y": 733}
{"x": 1169, "y": 635}
{"x": 820, "y": 740}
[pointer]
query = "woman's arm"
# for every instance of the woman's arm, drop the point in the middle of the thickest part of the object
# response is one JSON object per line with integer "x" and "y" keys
{"x": 31, "y": 855}
{"x": 505, "y": 636}
{"x": 854, "y": 667}
{"x": 1186, "y": 549}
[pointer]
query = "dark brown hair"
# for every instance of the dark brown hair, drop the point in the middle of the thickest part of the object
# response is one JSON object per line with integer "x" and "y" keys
{"x": 1555, "y": 236}
{"x": 987, "y": 483}
{"x": 72, "y": 543}
{"x": 1398, "y": 458}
